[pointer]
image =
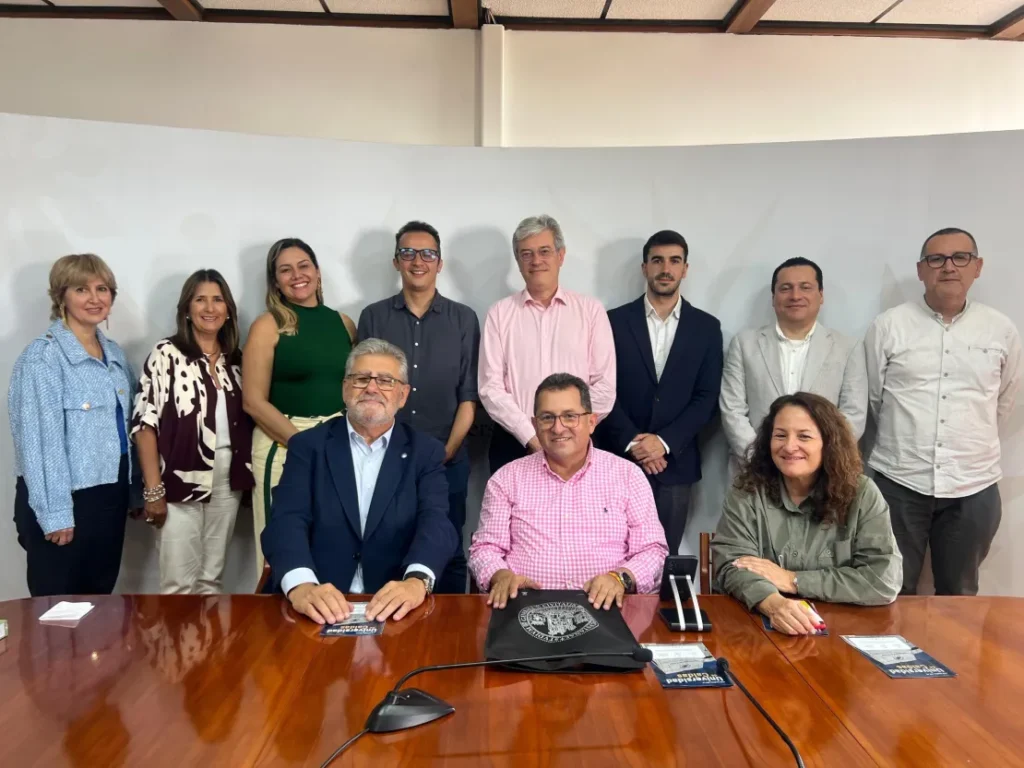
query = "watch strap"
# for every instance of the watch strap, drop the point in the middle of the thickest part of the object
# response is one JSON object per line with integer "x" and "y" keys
{"x": 428, "y": 582}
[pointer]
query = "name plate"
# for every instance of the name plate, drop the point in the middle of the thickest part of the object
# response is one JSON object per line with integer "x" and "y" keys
{"x": 897, "y": 657}
{"x": 355, "y": 624}
{"x": 686, "y": 665}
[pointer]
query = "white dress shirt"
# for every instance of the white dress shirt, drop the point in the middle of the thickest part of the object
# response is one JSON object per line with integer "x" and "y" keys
{"x": 938, "y": 393}
{"x": 366, "y": 463}
{"x": 663, "y": 333}
{"x": 793, "y": 357}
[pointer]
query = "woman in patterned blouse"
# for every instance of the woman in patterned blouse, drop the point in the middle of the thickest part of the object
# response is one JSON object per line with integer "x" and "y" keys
{"x": 194, "y": 439}
{"x": 70, "y": 396}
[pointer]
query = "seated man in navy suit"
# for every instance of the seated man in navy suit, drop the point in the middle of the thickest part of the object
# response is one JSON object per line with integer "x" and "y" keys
{"x": 362, "y": 506}
{"x": 669, "y": 358}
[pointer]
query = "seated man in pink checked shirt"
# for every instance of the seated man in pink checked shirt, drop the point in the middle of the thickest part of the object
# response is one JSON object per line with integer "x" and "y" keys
{"x": 538, "y": 331}
{"x": 569, "y": 516}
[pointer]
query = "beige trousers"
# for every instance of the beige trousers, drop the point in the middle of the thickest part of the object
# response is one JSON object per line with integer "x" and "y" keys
{"x": 267, "y": 465}
{"x": 194, "y": 540}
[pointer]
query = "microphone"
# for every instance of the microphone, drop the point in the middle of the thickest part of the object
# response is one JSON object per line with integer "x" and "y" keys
{"x": 400, "y": 709}
{"x": 726, "y": 672}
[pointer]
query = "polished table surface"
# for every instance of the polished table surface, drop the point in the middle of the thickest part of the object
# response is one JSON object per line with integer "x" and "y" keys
{"x": 976, "y": 718}
{"x": 240, "y": 680}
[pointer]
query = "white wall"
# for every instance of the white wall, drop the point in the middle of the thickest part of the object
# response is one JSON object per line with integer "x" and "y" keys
{"x": 275, "y": 79}
{"x": 158, "y": 203}
{"x": 619, "y": 89}
{"x": 537, "y": 89}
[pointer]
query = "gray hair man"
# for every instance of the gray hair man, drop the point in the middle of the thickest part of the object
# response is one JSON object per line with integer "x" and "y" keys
{"x": 540, "y": 330}
{"x": 363, "y": 502}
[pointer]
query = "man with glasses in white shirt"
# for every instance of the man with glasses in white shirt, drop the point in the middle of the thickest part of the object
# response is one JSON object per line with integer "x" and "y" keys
{"x": 943, "y": 374}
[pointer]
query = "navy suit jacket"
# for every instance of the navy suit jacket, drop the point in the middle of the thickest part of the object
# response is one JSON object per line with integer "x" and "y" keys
{"x": 678, "y": 406}
{"x": 314, "y": 518}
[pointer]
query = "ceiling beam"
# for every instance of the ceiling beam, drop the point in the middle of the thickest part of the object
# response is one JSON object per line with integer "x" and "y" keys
{"x": 1009, "y": 27}
{"x": 183, "y": 10}
{"x": 465, "y": 13}
{"x": 745, "y": 16}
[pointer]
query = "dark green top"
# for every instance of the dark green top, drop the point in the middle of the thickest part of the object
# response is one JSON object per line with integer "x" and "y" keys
{"x": 309, "y": 366}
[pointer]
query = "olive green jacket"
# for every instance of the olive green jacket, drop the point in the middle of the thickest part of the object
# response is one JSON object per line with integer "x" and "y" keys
{"x": 857, "y": 563}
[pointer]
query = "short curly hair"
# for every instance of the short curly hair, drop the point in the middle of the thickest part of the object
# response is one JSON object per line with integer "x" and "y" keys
{"x": 74, "y": 270}
{"x": 841, "y": 466}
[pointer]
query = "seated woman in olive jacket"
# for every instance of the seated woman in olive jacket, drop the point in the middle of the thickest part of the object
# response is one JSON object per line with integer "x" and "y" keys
{"x": 803, "y": 520}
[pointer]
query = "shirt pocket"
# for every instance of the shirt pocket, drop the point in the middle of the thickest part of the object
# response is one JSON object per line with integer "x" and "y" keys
{"x": 986, "y": 361}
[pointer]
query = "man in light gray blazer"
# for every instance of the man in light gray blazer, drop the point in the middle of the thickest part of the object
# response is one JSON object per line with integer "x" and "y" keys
{"x": 796, "y": 354}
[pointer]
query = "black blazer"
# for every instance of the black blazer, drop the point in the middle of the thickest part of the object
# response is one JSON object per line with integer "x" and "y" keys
{"x": 675, "y": 408}
{"x": 314, "y": 518}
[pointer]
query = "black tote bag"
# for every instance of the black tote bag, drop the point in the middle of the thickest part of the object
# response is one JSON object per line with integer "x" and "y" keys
{"x": 548, "y": 622}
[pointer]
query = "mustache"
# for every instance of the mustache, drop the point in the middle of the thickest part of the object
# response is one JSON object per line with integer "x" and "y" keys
{"x": 371, "y": 399}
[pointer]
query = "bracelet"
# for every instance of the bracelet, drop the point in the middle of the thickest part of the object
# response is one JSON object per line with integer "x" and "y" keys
{"x": 154, "y": 494}
{"x": 618, "y": 577}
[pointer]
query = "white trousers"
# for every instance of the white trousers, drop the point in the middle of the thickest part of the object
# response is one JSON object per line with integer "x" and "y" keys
{"x": 194, "y": 540}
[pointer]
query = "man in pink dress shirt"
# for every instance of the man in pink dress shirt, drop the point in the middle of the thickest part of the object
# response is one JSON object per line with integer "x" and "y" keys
{"x": 569, "y": 516}
{"x": 541, "y": 330}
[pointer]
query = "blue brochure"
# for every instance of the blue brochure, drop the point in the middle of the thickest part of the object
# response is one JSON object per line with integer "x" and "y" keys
{"x": 355, "y": 624}
{"x": 686, "y": 665}
{"x": 897, "y": 657}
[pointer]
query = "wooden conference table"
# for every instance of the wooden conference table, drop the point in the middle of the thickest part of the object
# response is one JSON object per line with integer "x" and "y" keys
{"x": 239, "y": 680}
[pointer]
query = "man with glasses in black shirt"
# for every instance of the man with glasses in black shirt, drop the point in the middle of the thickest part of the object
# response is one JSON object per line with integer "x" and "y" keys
{"x": 441, "y": 339}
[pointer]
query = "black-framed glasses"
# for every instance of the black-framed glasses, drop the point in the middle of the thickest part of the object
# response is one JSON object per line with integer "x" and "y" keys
{"x": 409, "y": 254}
{"x": 385, "y": 383}
{"x": 569, "y": 420}
{"x": 959, "y": 259}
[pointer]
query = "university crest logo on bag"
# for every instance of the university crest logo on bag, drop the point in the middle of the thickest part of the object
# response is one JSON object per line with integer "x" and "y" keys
{"x": 556, "y": 622}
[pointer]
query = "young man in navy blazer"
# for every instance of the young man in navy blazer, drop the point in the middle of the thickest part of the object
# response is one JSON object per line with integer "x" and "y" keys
{"x": 362, "y": 506}
{"x": 669, "y": 358}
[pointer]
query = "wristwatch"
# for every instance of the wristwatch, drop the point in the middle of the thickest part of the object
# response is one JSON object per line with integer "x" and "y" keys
{"x": 423, "y": 576}
{"x": 627, "y": 582}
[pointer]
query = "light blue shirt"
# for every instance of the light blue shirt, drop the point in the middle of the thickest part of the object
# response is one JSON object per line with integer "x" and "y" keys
{"x": 366, "y": 463}
{"x": 62, "y": 404}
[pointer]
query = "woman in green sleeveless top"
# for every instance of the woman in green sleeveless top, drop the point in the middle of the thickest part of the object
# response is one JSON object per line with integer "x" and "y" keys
{"x": 292, "y": 367}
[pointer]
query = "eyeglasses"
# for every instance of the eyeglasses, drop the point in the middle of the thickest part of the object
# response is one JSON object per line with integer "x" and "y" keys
{"x": 409, "y": 254}
{"x": 569, "y": 420}
{"x": 938, "y": 260}
{"x": 384, "y": 383}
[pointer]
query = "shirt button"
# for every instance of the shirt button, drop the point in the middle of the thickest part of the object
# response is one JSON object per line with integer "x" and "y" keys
{"x": 120, "y": 391}
{"x": 415, "y": 366}
{"x": 415, "y": 343}
{"x": 414, "y": 413}
{"x": 86, "y": 406}
{"x": 946, "y": 375}
{"x": 414, "y": 389}
{"x": 939, "y": 444}
{"x": 943, "y": 397}
{"x": 942, "y": 421}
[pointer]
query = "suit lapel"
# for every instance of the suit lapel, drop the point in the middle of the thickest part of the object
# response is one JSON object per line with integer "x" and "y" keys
{"x": 396, "y": 460}
{"x": 769, "y": 345}
{"x": 683, "y": 342}
{"x": 638, "y": 325}
{"x": 817, "y": 352}
{"x": 338, "y": 453}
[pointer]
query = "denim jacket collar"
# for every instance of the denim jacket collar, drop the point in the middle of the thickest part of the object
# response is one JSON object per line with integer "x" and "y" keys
{"x": 73, "y": 349}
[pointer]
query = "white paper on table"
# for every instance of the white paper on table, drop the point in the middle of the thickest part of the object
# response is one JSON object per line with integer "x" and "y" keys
{"x": 876, "y": 643}
{"x": 673, "y": 658}
{"x": 66, "y": 611}
{"x": 358, "y": 615}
